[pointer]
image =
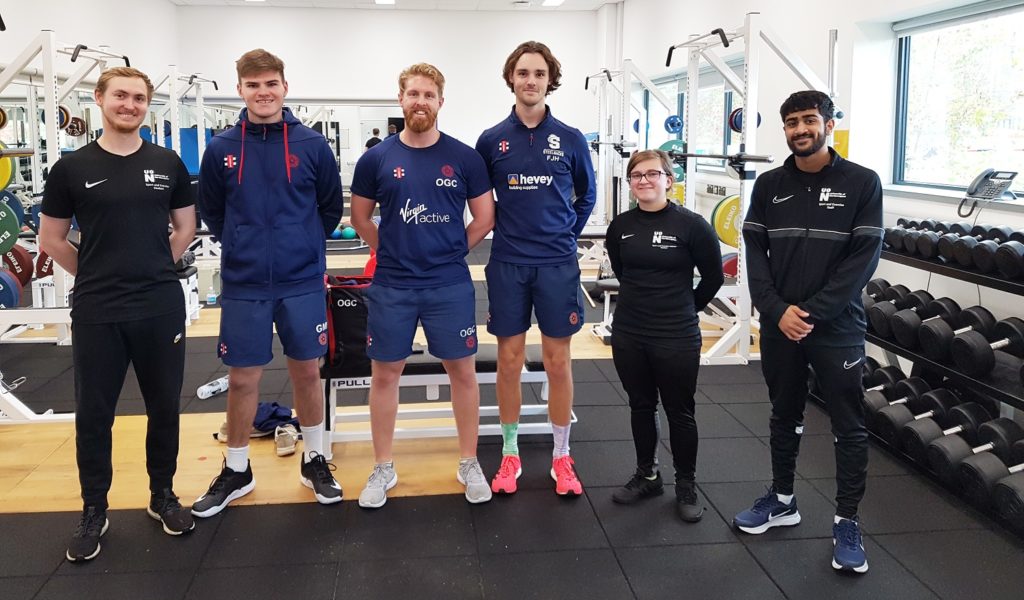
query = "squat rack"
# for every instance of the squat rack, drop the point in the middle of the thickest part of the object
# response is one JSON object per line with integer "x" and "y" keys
{"x": 733, "y": 347}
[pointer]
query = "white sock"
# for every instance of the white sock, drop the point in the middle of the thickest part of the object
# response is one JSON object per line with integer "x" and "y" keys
{"x": 238, "y": 459}
{"x": 784, "y": 498}
{"x": 561, "y": 437}
{"x": 312, "y": 440}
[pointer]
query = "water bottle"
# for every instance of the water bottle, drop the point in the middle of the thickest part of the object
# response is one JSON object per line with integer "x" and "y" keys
{"x": 211, "y": 296}
{"x": 213, "y": 388}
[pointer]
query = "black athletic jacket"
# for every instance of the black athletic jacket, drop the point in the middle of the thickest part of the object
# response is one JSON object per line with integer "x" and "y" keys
{"x": 813, "y": 240}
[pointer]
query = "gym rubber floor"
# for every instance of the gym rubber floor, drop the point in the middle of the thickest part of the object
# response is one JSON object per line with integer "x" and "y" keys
{"x": 922, "y": 542}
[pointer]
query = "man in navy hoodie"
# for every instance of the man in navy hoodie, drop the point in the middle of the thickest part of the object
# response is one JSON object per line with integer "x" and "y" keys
{"x": 270, "y": 191}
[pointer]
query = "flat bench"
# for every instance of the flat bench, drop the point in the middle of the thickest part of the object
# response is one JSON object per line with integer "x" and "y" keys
{"x": 424, "y": 370}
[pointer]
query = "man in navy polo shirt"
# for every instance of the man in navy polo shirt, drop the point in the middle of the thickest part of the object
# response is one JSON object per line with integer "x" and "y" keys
{"x": 422, "y": 180}
{"x": 544, "y": 180}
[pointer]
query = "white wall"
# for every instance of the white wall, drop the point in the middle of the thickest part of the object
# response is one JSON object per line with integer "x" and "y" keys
{"x": 346, "y": 53}
{"x": 145, "y": 30}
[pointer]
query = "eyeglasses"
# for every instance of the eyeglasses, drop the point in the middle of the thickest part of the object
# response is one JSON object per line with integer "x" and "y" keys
{"x": 651, "y": 176}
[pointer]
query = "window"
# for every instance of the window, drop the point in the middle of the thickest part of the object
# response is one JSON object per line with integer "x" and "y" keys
{"x": 960, "y": 103}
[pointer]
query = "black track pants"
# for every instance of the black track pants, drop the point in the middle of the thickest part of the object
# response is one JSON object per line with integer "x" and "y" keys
{"x": 839, "y": 370}
{"x": 102, "y": 353}
{"x": 649, "y": 368}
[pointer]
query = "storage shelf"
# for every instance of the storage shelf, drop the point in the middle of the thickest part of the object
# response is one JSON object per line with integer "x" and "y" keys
{"x": 1002, "y": 384}
{"x": 941, "y": 267}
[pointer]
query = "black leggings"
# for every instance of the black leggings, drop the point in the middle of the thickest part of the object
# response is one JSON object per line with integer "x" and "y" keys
{"x": 649, "y": 367}
{"x": 102, "y": 353}
{"x": 839, "y": 370}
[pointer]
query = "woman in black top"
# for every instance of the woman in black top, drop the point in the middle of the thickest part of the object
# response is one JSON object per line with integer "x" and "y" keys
{"x": 656, "y": 339}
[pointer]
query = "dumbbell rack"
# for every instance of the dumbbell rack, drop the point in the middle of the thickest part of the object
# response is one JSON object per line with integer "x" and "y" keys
{"x": 941, "y": 267}
{"x": 1002, "y": 384}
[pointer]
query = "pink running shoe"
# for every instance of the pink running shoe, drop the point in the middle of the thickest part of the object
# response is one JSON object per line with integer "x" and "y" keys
{"x": 564, "y": 474}
{"x": 504, "y": 481}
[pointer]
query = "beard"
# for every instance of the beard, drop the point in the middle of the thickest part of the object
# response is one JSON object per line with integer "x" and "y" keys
{"x": 420, "y": 123}
{"x": 818, "y": 142}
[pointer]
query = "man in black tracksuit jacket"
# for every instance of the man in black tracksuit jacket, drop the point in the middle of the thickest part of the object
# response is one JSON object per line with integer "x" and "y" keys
{"x": 813, "y": 237}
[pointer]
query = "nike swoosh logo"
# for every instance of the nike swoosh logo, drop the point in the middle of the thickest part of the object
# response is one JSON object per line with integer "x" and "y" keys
{"x": 627, "y": 235}
{"x": 784, "y": 513}
{"x": 93, "y": 184}
{"x": 849, "y": 365}
{"x": 777, "y": 200}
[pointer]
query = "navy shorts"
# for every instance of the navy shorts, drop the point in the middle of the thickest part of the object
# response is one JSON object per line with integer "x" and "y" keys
{"x": 552, "y": 292}
{"x": 247, "y": 329}
{"x": 448, "y": 315}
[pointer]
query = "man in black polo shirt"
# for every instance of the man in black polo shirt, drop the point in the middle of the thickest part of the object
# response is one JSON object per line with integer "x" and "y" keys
{"x": 128, "y": 306}
{"x": 813, "y": 236}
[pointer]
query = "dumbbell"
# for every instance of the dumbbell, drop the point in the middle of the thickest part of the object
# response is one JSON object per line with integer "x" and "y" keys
{"x": 983, "y": 254}
{"x": 928, "y": 241}
{"x": 910, "y": 238}
{"x": 880, "y": 312}
{"x": 1010, "y": 259}
{"x": 974, "y": 355}
{"x": 947, "y": 241}
{"x": 894, "y": 292}
{"x": 978, "y": 474}
{"x": 937, "y": 335}
{"x": 902, "y": 392}
{"x": 870, "y": 366}
{"x": 963, "y": 248}
{"x": 946, "y": 453}
{"x": 1008, "y": 496}
{"x": 894, "y": 235}
{"x": 905, "y": 324}
{"x": 934, "y": 404}
{"x": 963, "y": 420}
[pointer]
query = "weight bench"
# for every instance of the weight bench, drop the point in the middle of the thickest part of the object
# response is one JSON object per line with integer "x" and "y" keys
{"x": 424, "y": 370}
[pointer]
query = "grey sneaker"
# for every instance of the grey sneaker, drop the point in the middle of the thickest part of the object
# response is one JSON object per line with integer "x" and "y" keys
{"x": 285, "y": 437}
{"x": 471, "y": 475}
{"x": 383, "y": 478}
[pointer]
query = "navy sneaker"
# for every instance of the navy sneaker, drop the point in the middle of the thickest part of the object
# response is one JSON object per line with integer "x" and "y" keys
{"x": 848, "y": 552}
{"x": 768, "y": 511}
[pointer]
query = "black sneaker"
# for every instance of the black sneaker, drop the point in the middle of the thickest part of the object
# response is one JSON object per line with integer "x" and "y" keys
{"x": 224, "y": 488}
{"x": 638, "y": 488}
{"x": 164, "y": 507}
{"x": 85, "y": 543}
{"x": 316, "y": 475}
{"x": 688, "y": 505}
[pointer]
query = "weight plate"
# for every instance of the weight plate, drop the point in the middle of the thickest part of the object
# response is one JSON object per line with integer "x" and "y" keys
{"x": 677, "y": 193}
{"x": 10, "y": 292}
{"x": 6, "y": 169}
{"x": 726, "y": 221}
{"x": 673, "y": 145}
{"x": 9, "y": 228}
{"x": 44, "y": 265}
{"x": 19, "y": 262}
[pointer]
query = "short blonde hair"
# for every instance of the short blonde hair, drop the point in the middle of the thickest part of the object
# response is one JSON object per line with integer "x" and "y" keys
{"x": 424, "y": 70}
{"x": 106, "y": 76}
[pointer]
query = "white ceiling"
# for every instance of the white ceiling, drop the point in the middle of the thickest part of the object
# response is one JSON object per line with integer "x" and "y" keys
{"x": 489, "y": 5}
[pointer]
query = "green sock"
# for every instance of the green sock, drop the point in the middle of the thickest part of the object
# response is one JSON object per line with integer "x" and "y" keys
{"x": 510, "y": 437}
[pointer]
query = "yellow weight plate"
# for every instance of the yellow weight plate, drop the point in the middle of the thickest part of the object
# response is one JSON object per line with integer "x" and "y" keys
{"x": 726, "y": 221}
{"x": 677, "y": 193}
{"x": 6, "y": 170}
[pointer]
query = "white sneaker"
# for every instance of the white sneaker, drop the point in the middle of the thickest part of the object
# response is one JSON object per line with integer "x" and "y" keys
{"x": 471, "y": 475}
{"x": 383, "y": 478}
{"x": 285, "y": 437}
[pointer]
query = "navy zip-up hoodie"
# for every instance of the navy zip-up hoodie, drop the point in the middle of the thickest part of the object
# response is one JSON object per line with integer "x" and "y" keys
{"x": 813, "y": 240}
{"x": 271, "y": 193}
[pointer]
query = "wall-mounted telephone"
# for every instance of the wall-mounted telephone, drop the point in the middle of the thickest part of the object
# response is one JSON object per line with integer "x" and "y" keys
{"x": 988, "y": 185}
